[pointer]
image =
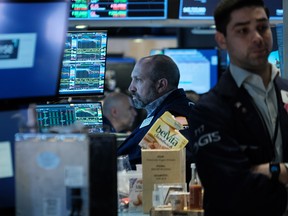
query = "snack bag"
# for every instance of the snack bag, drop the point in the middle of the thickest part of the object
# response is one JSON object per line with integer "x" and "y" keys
{"x": 164, "y": 134}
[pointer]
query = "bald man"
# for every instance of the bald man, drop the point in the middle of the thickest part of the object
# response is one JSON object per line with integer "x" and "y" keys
{"x": 118, "y": 113}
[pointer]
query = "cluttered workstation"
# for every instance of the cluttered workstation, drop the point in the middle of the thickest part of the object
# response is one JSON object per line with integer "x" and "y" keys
{"x": 62, "y": 146}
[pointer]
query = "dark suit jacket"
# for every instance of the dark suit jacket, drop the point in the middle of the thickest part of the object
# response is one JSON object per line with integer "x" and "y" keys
{"x": 230, "y": 136}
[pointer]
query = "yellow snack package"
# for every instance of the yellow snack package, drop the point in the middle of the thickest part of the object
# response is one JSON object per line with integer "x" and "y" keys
{"x": 164, "y": 134}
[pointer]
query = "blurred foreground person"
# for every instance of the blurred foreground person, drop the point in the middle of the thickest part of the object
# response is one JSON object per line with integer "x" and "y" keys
{"x": 240, "y": 127}
{"x": 118, "y": 113}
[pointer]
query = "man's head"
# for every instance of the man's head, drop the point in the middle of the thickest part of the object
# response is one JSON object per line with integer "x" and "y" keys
{"x": 222, "y": 13}
{"x": 152, "y": 77}
{"x": 243, "y": 29}
{"x": 119, "y": 110}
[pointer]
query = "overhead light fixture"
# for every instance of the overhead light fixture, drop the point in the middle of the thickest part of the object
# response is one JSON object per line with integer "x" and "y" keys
{"x": 138, "y": 40}
{"x": 81, "y": 26}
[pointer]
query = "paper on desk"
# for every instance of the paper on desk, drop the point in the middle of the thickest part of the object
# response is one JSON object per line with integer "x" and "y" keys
{"x": 6, "y": 169}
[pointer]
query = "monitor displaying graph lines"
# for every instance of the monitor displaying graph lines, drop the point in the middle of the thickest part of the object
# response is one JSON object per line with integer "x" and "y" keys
{"x": 55, "y": 115}
{"x": 84, "y": 64}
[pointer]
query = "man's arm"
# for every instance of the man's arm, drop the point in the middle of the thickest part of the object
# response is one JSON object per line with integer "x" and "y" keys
{"x": 265, "y": 170}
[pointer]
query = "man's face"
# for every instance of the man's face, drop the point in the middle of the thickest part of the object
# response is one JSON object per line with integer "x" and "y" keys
{"x": 142, "y": 88}
{"x": 248, "y": 39}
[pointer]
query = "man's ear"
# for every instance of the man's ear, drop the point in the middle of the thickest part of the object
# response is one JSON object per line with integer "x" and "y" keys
{"x": 114, "y": 111}
{"x": 221, "y": 40}
{"x": 162, "y": 85}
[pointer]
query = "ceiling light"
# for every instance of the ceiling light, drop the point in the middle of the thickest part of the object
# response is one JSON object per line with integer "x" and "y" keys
{"x": 81, "y": 26}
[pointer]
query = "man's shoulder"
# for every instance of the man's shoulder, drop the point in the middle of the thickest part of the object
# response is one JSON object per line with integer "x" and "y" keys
{"x": 181, "y": 107}
{"x": 177, "y": 95}
{"x": 179, "y": 102}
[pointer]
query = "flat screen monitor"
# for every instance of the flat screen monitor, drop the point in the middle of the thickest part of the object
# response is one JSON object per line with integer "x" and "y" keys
{"x": 118, "y": 73}
{"x": 84, "y": 64}
{"x": 198, "y": 67}
{"x": 156, "y": 51}
{"x": 204, "y": 9}
{"x": 118, "y": 10}
{"x": 274, "y": 58}
{"x": 32, "y": 37}
{"x": 89, "y": 114}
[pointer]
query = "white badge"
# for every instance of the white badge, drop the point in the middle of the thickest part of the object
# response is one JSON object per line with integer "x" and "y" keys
{"x": 146, "y": 122}
{"x": 284, "y": 95}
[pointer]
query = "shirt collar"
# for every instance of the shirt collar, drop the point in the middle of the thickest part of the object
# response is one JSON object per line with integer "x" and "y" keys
{"x": 241, "y": 75}
{"x": 154, "y": 104}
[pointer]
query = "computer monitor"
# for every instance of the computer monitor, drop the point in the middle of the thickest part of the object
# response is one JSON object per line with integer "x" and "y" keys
{"x": 84, "y": 64}
{"x": 204, "y": 10}
{"x": 89, "y": 114}
{"x": 32, "y": 37}
{"x": 198, "y": 67}
{"x": 118, "y": 73}
{"x": 119, "y": 10}
{"x": 156, "y": 51}
{"x": 274, "y": 58}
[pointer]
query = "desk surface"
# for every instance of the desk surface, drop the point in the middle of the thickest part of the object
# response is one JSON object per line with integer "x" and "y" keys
{"x": 132, "y": 214}
{"x": 163, "y": 213}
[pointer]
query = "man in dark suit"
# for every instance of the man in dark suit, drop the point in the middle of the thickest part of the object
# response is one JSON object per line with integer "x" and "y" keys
{"x": 240, "y": 126}
{"x": 154, "y": 87}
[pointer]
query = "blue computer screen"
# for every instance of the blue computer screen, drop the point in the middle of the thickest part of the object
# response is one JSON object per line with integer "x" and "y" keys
{"x": 32, "y": 36}
{"x": 198, "y": 68}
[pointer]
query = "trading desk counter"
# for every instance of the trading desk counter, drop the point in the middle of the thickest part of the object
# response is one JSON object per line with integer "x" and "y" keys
{"x": 165, "y": 213}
